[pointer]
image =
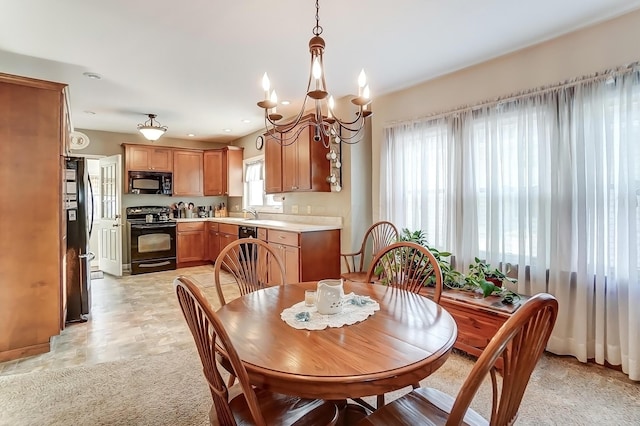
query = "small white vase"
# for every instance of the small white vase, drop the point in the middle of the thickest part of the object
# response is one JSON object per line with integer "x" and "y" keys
{"x": 329, "y": 296}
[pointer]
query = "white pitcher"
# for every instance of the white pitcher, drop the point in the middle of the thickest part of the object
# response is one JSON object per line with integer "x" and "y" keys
{"x": 329, "y": 296}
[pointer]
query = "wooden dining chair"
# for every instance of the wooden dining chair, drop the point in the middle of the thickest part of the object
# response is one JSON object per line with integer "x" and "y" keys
{"x": 520, "y": 342}
{"x": 379, "y": 235}
{"x": 253, "y": 265}
{"x": 253, "y": 406}
{"x": 407, "y": 265}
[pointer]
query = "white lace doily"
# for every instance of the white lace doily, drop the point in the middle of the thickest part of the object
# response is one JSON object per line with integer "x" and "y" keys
{"x": 355, "y": 308}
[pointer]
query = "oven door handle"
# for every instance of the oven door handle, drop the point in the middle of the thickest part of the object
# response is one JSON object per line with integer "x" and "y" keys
{"x": 154, "y": 226}
{"x": 153, "y": 265}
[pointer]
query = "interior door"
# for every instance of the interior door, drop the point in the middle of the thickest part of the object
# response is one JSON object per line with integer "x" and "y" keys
{"x": 109, "y": 224}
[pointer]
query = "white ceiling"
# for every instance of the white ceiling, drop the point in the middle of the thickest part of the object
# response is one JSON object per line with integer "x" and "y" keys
{"x": 198, "y": 63}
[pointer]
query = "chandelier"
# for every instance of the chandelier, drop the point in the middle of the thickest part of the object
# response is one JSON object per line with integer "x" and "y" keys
{"x": 326, "y": 123}
{"x": 150, "y": 130}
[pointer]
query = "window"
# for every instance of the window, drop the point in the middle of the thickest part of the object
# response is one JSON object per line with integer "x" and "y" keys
{"x": 254, "y": 193}
{"x": 549, "y": 182}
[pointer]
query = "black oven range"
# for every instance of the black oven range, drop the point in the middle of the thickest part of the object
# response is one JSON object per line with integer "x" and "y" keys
{"x": 152, "y": 239}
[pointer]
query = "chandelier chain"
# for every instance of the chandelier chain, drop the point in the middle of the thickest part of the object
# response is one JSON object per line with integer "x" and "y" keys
{"x": 318, "y": 29}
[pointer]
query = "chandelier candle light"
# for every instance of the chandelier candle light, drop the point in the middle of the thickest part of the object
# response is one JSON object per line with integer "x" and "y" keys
{"x": 327, "y": 124}
{"x": 150, "y": 130}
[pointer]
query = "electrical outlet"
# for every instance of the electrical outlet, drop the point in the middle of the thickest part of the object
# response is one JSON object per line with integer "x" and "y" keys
{"x": 308, "y": 209}
{"x": 236, "y": 208}
{"x": 294, "y": 209}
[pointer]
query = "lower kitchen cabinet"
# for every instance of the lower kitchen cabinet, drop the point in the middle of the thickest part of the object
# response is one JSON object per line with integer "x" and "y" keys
{"x": 191, "y": 243}
{"x": 213, "y": 243}
{"x": 290, "y": 257}
{"x": 228, "y": 234}
{"x": 307, "y": 256}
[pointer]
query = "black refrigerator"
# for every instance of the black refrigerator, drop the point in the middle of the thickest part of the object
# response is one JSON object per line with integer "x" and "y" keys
{"x": 79, "y": 215}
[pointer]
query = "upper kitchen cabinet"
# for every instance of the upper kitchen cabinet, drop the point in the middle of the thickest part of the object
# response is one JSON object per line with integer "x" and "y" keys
{"x": 223, "y": 172}
{"x": 272, "y": 165}
{"x": 187, "y": 172}
{"x": 148, "y": 158}
{"x": 33, "y": 129}
{"x": 303, "y": 164}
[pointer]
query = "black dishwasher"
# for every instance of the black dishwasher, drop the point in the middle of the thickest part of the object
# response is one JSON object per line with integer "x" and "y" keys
{"x": 247, "y": 231}
{"x": 246, "y": 249}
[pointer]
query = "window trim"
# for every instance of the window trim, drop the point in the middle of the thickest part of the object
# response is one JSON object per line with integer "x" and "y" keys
{"x": 259, "y": 208}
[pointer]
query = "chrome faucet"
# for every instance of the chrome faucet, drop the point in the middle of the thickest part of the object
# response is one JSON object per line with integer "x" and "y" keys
{"x": 252, "y": 211}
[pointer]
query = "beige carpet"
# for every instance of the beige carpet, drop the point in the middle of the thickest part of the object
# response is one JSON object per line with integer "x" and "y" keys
{"x": 169, "y": 389}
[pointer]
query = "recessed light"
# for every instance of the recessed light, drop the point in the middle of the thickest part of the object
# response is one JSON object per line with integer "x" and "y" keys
{"x": 86, "y": 111}
{"x": 92, "y": 75}
{"x": 246, "y": 121}
{"x": 285, "y": 103}
{"x": 191, "y": 135}
{"x": 226, "y": 130}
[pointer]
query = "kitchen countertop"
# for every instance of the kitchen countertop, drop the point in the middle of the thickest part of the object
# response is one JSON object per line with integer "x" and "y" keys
{"x": 266, "y": 223}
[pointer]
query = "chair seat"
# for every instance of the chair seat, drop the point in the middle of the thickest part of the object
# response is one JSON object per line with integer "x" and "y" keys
{"x": 360, "y": 277}
{"x": 417, "y": 406}
{"x": 279, "y": 409}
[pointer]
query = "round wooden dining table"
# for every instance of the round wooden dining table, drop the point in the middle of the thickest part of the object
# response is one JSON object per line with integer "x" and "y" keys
{"x": 405, "y": 341}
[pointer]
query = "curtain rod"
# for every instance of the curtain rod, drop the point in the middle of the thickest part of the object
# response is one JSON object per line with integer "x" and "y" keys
{"x": 603, "y": 75}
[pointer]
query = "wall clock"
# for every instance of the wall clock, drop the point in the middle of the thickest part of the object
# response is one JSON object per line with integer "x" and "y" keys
{"x": 259, "y": 142}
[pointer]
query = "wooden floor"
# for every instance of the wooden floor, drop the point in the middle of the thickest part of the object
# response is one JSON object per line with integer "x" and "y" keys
{"x": 132, "y": 316}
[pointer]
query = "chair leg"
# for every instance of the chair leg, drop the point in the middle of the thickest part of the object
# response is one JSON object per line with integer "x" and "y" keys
{"x": 232, "y": 380}
{"x": 380, "y": 401}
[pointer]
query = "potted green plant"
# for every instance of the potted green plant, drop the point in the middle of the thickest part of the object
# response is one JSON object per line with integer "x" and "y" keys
{"x": 450, "y": 276}
{"x": 487, "y": 278}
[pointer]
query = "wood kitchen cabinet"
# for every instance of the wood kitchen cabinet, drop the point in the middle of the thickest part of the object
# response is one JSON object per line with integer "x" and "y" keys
{"x": 228, "y": 234}
{"x": 298, "y": 166}
{"x": 187, "y": 172}
{"x": 191, "y": 246}
{"x": 223, "y": 172}
{"x": 33, "y": 132}
{"x": 286, "y": 246}
{"x": 307, "y": 256}
{"x": 213, "y": 242}
{"x": 272, "y": 165}
{"x": 148, "y": 158}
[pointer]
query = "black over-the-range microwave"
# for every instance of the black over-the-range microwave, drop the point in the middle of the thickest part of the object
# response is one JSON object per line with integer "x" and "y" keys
{"x": 150, "y": 183}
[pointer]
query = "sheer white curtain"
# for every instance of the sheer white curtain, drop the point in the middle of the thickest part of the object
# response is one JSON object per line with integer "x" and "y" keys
{"x": 547, "y": 182}
{"x": 507, "y": 195}
{"x": 596, "y": 276}
{"x": 417, "y": 179}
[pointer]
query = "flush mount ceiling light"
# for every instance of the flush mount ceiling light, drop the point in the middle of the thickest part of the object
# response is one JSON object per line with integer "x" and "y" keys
{"x": 152, "y": 130}
{"x": 326, "y": 124}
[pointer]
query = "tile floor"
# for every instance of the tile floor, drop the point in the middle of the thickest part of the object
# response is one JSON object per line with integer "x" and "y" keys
{"x": 131, "y": 316}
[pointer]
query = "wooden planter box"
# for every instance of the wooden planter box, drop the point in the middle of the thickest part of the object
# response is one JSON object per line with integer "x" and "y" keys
{"x": 478, "y": 320}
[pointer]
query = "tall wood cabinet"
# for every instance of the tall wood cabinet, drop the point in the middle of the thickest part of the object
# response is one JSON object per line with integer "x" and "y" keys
{"x": 34, "y": 132}
{"x": 298, "y": 166}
